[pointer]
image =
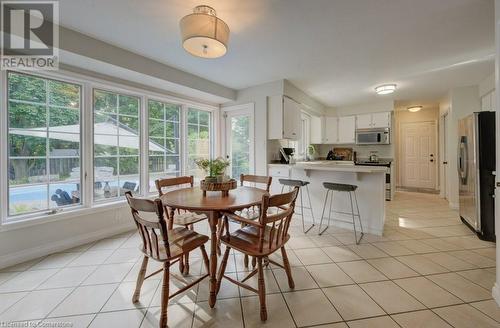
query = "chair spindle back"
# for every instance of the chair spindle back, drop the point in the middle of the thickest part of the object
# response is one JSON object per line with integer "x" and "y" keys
{"x": 256, "y": 179}
{"x": 173, "y": 182}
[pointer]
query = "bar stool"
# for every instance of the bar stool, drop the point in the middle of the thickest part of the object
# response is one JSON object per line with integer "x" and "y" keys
{"x": 299, "y": 183}
{"x": 351, "y": 189}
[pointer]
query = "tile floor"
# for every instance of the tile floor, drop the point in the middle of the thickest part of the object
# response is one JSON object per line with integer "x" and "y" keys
{"x": 428, "y": 270}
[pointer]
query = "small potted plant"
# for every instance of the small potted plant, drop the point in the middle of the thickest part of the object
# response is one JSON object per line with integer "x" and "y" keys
{"x": 215, "y": 169}
{"x": 310, "y": 152}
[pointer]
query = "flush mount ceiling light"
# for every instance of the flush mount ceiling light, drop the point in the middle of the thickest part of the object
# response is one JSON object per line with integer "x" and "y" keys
{"x": 414, "y": 109}
{"x": 203, "y": 34}
{"x": 385, "y": 89}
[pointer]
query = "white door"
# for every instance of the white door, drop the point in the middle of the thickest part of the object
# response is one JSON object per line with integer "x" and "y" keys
{"x": 364, "y": 121}
{"x": 347, "y": 129}
{"x": 240, "y": 138}
{"x": 419, "y": 154}
{"x": 331, "y": 130}
{"x": 381, "y": 120}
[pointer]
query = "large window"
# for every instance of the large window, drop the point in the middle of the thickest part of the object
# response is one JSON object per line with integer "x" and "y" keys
{"x": 116, "y": 144}
{"x": 198, "y": 139}
{"x": 43, "y": 144}
{"x": 164, "y": 141}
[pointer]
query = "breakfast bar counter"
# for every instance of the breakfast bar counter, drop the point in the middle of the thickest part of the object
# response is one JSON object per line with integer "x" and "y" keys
{"x": 370, "y": 181}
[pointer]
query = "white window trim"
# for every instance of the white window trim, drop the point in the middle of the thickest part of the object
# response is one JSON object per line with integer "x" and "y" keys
{"x": 87, "y": 84}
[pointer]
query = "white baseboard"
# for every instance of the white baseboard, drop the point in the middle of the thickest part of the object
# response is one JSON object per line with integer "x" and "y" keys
{"x": 495, "y": 292}
{"x": 60, "y": 245}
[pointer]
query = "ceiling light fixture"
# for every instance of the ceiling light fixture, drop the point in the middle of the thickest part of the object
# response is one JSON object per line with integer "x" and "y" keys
{"x": 204, "y": 34}
{"x": 414, "y": 109}
{"x": 385, "y": 89}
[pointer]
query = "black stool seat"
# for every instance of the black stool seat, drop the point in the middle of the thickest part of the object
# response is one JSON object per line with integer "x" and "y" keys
{"x": 339, "y": 186}
{"x": 293, "y": 183}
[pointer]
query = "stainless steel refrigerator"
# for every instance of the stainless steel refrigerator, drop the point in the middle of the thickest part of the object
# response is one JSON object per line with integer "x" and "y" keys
{"x": 476, "y": 173}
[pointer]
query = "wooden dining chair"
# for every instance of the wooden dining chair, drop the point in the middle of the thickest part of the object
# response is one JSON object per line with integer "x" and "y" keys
{"x": 163, "y": 245}
{"x": 261, "y": 238}
{"x": 182, "y": 218}
{"x": 251, "y": 213}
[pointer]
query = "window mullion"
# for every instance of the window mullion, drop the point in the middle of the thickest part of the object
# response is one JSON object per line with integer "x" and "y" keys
{"x": 144, "y": 148}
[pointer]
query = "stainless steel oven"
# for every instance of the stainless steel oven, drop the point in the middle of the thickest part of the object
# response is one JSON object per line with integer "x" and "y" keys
{"x": 380, "y": 136}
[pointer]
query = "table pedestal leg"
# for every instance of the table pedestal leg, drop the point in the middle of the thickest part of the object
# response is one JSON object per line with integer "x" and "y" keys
{"x": 214, "y": 217}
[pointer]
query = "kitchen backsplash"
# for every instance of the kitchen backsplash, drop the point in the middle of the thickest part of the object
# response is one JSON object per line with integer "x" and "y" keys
{"x": 362, "y": 151}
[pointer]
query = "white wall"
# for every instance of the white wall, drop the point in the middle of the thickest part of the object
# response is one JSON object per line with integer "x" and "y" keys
{"x": 496, "y": 287}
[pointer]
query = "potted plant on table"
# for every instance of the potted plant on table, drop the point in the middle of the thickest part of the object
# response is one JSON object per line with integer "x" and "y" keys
{"x": 214, "y": 168}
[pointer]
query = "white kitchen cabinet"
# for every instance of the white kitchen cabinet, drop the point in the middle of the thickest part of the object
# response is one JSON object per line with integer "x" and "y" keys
{"x": 280, "y": 171}
{"x": 347, "y": 129}
{"x": 331, "y": 131}
{"x": 284, "y": 120}
{"x": 375, "y": 120}
{"x": 364, "y": 121}
{"x": 316, "y": 130}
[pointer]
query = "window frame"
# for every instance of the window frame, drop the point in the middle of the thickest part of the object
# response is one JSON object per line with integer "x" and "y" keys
{"x": 87, "y": 84}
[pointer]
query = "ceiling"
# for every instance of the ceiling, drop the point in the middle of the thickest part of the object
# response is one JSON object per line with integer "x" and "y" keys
{"x": 337, "y": 51}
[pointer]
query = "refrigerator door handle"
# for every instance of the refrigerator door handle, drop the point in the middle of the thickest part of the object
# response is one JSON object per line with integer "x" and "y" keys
{"x": 462, "y": 159}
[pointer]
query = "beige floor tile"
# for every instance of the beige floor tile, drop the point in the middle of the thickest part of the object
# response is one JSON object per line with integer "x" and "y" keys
{"x": 123, "y": 255}
{"x": 108, "y": 273}
{"x": 22, "y": 266}
{"x": 277, "y": 312}
{"x": 417, "y": 246}
{"x": 474, "y": 258}
{"x": 129, "y": 318}
{"x": 361, "y": 271}
{"x": 36, "y": 305}
{"x": 54, "y": 261}
{"x": 301, "y": 277}
{"x": 420, "y": 319}
{"x": 27, "y": 280}
{"x": 352, "y": 302}
{"x": 227, "y": 289}
{"x": 311, "y": 307}
{"x": 328, "y": 275}
{"x": 4, "y": 276}
{"x": 179, "y": 316}
{"x": 309, "y": 256}
{"x": 427, "y": 292}
{"x": 461, "y": 287}
{"x": 393, "y": 248}
{"x": 68, "y": 277}
{"x": 84, "y": 300}
{"x": 379, "y": 322}
{"x": 481, "y": 277}
{"x": 107, "y": 243}
{"x": 450, "y": 262}
{"x": 489, "y": 252}
{"x": 333, "y": 325}
{"x": 226, "y": 313}
{"x": 121, "y": 299}
{"x": 465, "y": 316}
{"x": 367, "y": 251}
{"x": 440, "y": 244}
{"x": 490, "y": 308}
{"x": 340, "y": 254}
{"x": 7, "y": 300}
{"x": 386, "y": 292}
{"x": 276, "y": 256}
{"x": 300, "y": 242}
{"x": 91, "y": 258}
{"x": 392, "y": 268}
{"x": 79, "y": 321}
{"x": 421, "y": 264}
{"x": 188, "y": 296}
{"x": 325, "y": 241}
{"x": 270, "y": 282}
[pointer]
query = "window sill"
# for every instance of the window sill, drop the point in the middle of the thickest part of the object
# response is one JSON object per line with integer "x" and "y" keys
{"x": 42, "y": 219}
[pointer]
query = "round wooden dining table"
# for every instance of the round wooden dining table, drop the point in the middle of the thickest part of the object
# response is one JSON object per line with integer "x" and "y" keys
{"x": 192, "y": 199}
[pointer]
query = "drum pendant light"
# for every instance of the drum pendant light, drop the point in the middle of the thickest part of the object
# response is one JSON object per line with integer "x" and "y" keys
{"x": 204, "y": 34}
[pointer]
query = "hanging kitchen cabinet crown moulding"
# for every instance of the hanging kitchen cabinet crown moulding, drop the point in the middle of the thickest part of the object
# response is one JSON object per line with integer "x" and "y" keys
{"x": 204, "y": 34}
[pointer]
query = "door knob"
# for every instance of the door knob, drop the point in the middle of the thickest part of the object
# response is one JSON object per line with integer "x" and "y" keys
{"x": 431, "y": 155}
{"x": 432, "y": 160}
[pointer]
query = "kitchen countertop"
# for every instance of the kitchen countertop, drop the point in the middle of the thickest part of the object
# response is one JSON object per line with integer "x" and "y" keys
{"x": 337, "y": 166}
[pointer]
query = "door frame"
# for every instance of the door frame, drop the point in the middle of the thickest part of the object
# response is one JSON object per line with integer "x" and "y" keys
{"x": 436, "y": 148}
{"x": 238, "y": 110}
{"x": 444, "y": 126}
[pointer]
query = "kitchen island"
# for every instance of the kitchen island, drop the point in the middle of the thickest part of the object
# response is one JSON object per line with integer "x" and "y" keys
{"x": 370, "y": 193}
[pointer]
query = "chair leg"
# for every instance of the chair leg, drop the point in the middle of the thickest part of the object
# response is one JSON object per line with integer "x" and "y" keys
{"x": 205, "y": 258}
{"x": 186, "y": 257}
{"x": 288, "y": 270}
{"x": 245, "y": 261}
{"x": 323, "y": 215}
{"x": 220, "y": 231}
{"x": 254, "y": 262}
{"x": 222, "y": 269}
{"x": 165, "y": 295}
{"x": 181, "y": 264}
{"x": 262, "y": 290}
{"x": 140, "y": 279}
{"x": 354, "y": 222}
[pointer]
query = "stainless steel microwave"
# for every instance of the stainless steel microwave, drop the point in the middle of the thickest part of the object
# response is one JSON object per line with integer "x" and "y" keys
{"x": 380, "y": 136}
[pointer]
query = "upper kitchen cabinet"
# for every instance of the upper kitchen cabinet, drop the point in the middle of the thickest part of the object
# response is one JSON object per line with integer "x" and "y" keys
{"x": 316, "y": 130}
{"x": 347, "y": 129}
{"x": 284, "y": 120}
{"x": 331, "y": 130}
{"x": 375, "y": 120}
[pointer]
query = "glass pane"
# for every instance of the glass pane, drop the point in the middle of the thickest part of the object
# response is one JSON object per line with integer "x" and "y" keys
{"x": 21, "y": 145}
{"x": 27, "y": 171}
{"x": 105, "y": 102}
{"x": 64, "y": 194}
{"x": 105, "y": 145}
{"x": 27, "y": 88}
{"x": 156, "y": 128}
{"x": 65, "y": 169}
{"x": 171, "y": 146}
{"x": 156, "y": 146}
{"x": 105, "y": 178}
{"x": 192, "y": 116}
{"x": 128, "y": 105}
{"x": 130, "y": 124}
{"x": 156, "y": 163}
{"x": 204, "y": 132}
{"x": 240, "y": 145}
{"x": 204, "y": 117}
{"x": 27, "y": 116}
{"x": 64, "y": 144}
{"x": 173, "y": 112}
{"x": 129, "y": 183}
{"x": 155, "y": 109}
{"x": 129, "y": 145}
{"x": 192, "y": 131}
{"x": 26, "y": 199}
{"x": 64, "y": 119}
{"x": 128, "y": 165}
{"x": 64, "y": 94}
